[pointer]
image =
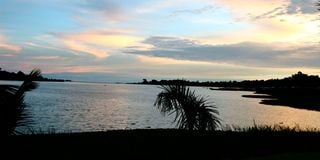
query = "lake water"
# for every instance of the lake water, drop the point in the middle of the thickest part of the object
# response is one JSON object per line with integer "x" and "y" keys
{"x": 80, "y": 107}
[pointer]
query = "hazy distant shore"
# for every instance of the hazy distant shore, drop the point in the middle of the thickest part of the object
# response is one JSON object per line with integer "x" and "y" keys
{"x": 20, "y": 76}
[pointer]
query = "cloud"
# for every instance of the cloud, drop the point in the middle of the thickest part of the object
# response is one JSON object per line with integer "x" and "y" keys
{"x": 84, "y": 69}
{"x": 293, "y": 7}
{"x": 262, "y": 9}
{"x": 159, "y": 61}
{"x": 81, "y": 47}
{"x": 293, "y": 29}
{"x": 46, "y": 57}
{"x": 302, "y": 6}
{"x": 255, "y": 7}
{"x": 107, "y": 8}
{"x": 246, "y": 53}
{"x": 7, "y": 46}
{"x": 271, "y": 14}
{"x": 168, "y": 42}
{"x": 193, "y": 11}
{"x": 98, "y": 43}
{"x": 10, "y": 47}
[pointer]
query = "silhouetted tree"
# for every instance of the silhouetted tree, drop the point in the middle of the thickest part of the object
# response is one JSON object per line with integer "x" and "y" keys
{"x": 13, "y": 112}
{"x": 144, "y": 81}
{"x": 191, "y": 111}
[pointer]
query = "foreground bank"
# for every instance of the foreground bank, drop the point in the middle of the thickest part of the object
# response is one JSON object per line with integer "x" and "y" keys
{"x": 164, "y": 143}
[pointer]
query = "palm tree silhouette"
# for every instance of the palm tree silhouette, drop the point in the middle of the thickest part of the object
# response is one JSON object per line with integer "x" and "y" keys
{"x": 13, "y": 112}
{"x": 191, "y": 111}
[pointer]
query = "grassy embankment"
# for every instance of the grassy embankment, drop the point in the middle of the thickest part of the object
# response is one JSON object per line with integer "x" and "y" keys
{"x": 264, "y": 142}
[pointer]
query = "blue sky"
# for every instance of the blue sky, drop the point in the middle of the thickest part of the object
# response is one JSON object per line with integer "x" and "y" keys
{"x": 192, "y": 39}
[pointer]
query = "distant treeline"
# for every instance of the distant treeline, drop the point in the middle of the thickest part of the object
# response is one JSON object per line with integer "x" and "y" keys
{"x": 295, "y": 81}
{"x": 20, "y": 76}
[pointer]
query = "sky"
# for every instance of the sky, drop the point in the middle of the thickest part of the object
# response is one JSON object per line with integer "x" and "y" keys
{"x": 127, "y": 40}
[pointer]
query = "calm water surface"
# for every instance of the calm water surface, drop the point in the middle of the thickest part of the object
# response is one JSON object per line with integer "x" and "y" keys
{"x": 66, "y": 107}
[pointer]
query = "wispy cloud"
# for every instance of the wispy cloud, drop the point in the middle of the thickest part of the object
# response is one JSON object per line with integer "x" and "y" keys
{"x": 169, "y": 42}
{"x": 6, "y": 45}
{"x": 81, "y": 47}
{"x": 261, "y": 9}
{"x": 46, "y": 57}
{"x": 293, "y": 7}
{"x": 154, "y": 60}
{"x": 10, "y": 47}
{"x": 271, "y": 14}
{"x": 109, "y": 9}
{"x": 289, "y": 30}
{"x": 98, "y": 43}
{"x": 83, "y": 69}
{"x": 254, "y": 7}
{"x": 302, "y": 6}
{"x": 247, "y": 54}
{"x": 193, "y": 11}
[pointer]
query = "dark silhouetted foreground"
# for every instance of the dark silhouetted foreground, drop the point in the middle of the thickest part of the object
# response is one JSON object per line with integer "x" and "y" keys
{"x": 13, "y": 109}
{"x": 160, "y": 143}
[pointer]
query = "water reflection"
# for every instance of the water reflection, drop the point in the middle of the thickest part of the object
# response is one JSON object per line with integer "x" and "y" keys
{"x": 239, "y": 111}
{"x": 96, "y": 107}
{"x": 297, "y": 98}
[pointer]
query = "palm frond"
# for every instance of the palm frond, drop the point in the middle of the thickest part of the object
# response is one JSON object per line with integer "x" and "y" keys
{"x": 191, "y": 111}
{"x": 29, "y": 83}
{"x": 12, "y": 100}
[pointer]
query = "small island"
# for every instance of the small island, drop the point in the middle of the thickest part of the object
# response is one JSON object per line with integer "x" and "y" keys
{"x": 20, "y": 76}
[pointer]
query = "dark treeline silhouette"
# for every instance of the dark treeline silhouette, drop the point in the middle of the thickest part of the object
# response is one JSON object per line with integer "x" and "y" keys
{"x": 13, "y": 108}
{"x": 20, "y": 76}
{"x": 298, "y": 80}
{"x": 299, "y": 90}
{"x": 190, "y": 83}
